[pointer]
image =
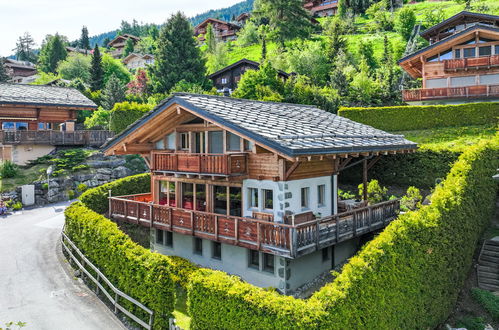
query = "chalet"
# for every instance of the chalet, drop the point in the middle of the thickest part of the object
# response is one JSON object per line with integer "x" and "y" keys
{"x": 243, "y": 18}
{"x": 118, "y": 44}
{"x": 78, "y": 50}
{"x": 20, "y": 72}
{"x": 460, "y": 65}
{"x": 251, "y": 188}
{"x": 224, "y": 31}
{"x": 135, "y": 61}
{"x": 227, "y": 78}
{"x": 36, "y": 119}
{"x": 321, "y": 8}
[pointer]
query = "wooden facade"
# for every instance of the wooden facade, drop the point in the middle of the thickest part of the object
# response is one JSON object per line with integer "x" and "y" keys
{"x": 460, "y": 66}
{"x": 223, "y": 31}
{"x": 322, "y": 8}
{"x": 119, "y": 44}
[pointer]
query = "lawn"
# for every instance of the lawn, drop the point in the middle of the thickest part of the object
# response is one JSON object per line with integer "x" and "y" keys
{"x": 182, "y": 318}
{"x": 25, "y": 175}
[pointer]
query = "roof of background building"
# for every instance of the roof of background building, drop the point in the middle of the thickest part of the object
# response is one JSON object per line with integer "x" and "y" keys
{"x": 243, "y": 61}
{"x": 43, "y": 95}
{"x": 291, "y": 129}
{"x": 458, "y": 17}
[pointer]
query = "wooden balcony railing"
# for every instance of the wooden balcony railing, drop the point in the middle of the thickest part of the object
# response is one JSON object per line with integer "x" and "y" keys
{"x": 56, "y": 138}
{"x": 484, "y": 62}
{"x": 213, "y": 164}
{"x": 271, "y": 237}
{"x": 476, "y": 91}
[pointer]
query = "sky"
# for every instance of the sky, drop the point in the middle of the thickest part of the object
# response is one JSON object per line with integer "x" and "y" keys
{"x": 42, "y": 17}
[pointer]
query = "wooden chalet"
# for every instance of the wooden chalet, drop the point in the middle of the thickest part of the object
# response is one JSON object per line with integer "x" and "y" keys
{"x": 118, "y": 44}
{"x": 136, "y": 61}
{"x": 322, "y": 8}
{"x": 243, "y": 18}
{"x": 461, "y": 64}
{"x": 36, "y": 119}
{"x": 20, "y": 72}
{"x": 224, "y": 31}
{"x": 251, "y": 187}
{"x": 226, "y": 79}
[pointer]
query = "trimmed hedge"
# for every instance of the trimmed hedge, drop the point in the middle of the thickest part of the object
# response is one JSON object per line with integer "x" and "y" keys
{"x": 125, "y": 114}
{"x": 406, "y": 118}
{"x": 407, "y": 277}
{"x": 97, "y": 198}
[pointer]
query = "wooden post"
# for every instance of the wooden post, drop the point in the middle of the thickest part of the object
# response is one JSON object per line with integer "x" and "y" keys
{"x": 126, "y": 210}
{"x": 364, "y": 180}
{"x": 317, "y": 235}
{"x": 236, "y": 229}
{"x": 192, "y": 223}
{"x": 216, "y": 227}
{"x": 138, "y": 213}
{"x": 110, "y": 204}
{"x": 151, "y": 214}
{"x": 258, "y": 234}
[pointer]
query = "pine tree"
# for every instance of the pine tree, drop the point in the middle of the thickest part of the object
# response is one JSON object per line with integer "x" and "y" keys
{"x": 24, "y": 48}
{"x": 129, "y": 47}
{"x": 84, "y": 40}
{"x": 263, "y": 31}
{"x": 53, "y": 51}
{"x": 210, "y": 39}
{"x": 96, "y": 71}
{"x": 287, "y": 18}
{"x": 4, "y": 77}
{"x": 177, "y": 56}
{"x": 113, "y": 93}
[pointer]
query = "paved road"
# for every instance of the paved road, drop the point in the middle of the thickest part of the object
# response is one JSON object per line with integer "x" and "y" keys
{"x": 36, "y": 284}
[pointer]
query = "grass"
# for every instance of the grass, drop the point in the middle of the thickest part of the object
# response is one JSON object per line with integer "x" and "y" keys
{"x": 450, "y": 138}
{"x": 183, "y": 320}
{"x": 26, "y": 175}
{"x": 489, "y": 301}
{"x": 471, "y": 323}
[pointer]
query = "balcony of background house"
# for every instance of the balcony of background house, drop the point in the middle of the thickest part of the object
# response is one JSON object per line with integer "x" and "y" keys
{"x": 449, "y": 93}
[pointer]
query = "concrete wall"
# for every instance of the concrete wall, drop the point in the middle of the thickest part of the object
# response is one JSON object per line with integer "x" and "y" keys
{"x": 22, "y": 154}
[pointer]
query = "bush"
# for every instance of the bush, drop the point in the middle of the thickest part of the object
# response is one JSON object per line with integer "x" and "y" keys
{"x": 375, "y": 192}
{"x": 71, "y": 194}
{"x": 8, "y": 169}
{"x": 97, "y": 199}
{"x": 125, "y": 114}
{"x": 412, "y": 200}
{"x": 81, "y": 187}
{"x": 17, "y": 206}
{"x": 406, "y": 118}
{"x": 488, "y": 300}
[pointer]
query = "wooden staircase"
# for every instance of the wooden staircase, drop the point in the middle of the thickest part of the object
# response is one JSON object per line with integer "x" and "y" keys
{"x": 488, "y": 265}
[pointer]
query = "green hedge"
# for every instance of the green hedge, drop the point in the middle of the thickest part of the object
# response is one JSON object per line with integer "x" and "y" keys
{"x": 407, "y": 277}
{"x": 125, "y": 114}
{"x": 143, "y": 275}
{"x": 406, "y": 118}
{"x": 97, "y": 198}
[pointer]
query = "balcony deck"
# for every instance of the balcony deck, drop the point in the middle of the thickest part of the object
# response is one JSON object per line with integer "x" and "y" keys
{"x": 207, "y": 164}
{"x": 56, "y": 138}
{"x": 468, "y": 92}
{"x": 471, "y": 63}
{"x": 277, "y": 238}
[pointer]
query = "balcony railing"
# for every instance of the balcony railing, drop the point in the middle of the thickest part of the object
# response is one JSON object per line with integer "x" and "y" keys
{"x": 271, "y": 237}
{"x": 476, "y": 91}
{"x": 56, "y": 138}
{"x": 484, "y": 62}
{"x": 212, "y": 164}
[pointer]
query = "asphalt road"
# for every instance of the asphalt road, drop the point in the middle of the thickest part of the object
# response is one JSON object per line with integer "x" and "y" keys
{"x": 36, "y": 284}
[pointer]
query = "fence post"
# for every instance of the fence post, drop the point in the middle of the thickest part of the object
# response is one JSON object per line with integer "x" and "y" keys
{"x": 116, "y": 303}
{"x": 110, "y": 206}
{"x": 151, "y": 215}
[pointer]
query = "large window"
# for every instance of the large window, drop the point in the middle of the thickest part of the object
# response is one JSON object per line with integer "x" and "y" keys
{"x": 215, "y": 142}
{"x": 201, "y": 197}
{"x": 268, "y": 199}
{"x": 489, "y": 79}
{"x": 159, "y": 236}
{"x": 485, "y": 51}
{"x": 8, "y": 126}
{"x": 446, "y": 55}
{"x": 236, "y": 203}
{"x": 187, "y": 196}
{"x": 436, "y": 83}
{"x": 321, "y": 195}
{"x": 469, "y": 52}
{"x": 169, "y": 239}
{"x": 233, "y": 142}
{"x": 253, "y": 198}
{"x": 220, "y": 199}
{"x": 163, "y": 192}
{"x": 268, "y": 262}
{"x": 305, "y": 197}
{"x": 462, "y": 81}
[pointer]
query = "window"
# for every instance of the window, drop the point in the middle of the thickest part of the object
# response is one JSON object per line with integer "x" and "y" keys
{"x": 485, "y": 51}
{"x": 171, "y": 194}
{"x": 321, "y": 195}
{"x": 184, "y": 141}
{"x": 268, "y": 199}
{"x": 8, "y": 126}
{"x": 469, "y": 52}
{"x": 235, "y": 201}
{"x": 325, "y": 254}
{"x": 169, "y": 239}
{"x": 462, "y": 81}
{"x": 198, "y": 246}
{"x": 433, "y": 58}
{"x": 268, "y": 262}
{"x": 305, "y": 197}
{"x": 220, "y": 199}
{"x": 252, "y": 198}
{"x": 160, "y": 144}
{"x": 21, "y": 126}
{"x": 436, "y": 83}
{"x": 159, "y": 236}
{"x": 170, "y": 139}
{"x": 233, "y": 142}
{"x": 496, "y": 50}
{"x": 187, "y": 195}
{"x": 254, "y": 259}
{"x": 215, "y": 142}
{"x": 201, "y": 197}
{"x": 489, "y": 79}
{"x": 216, "y": 250}
{"x": 446, "y": 55}
{"x": 457, "y": 53}
{"x": 224, "y": 81}
{"x": 248, "y": 145}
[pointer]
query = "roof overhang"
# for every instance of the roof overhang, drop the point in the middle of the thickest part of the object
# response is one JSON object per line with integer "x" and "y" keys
{"x": 428, "y": 32}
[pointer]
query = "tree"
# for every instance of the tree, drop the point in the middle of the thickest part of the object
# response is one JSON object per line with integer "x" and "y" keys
{"x": 381, "y": 17}
{"x": 211, "y": 41}
{"x": 219, "y": 58}
{"x": 129, "y": 47}
{"x": 405, "y": 22}
{"x": 138, "y": 87}
{"x": 263, "y": 84}
{"x": 146, "y": 45}
{"x": 263, "y": 32}
{"x": 248, "y": 35}
{"x": 84, "y": 42}
{"x": 96, "y": 70}
{"x": 53, "y": 51}
{"x": 366, "y": 52}
{"x": 126, "y": 113}
{"x": 4, "y": 77}
{"x": 112, "y": 66}
{"x": 177, "y": 56}
{"x": 334, "y": 30}
{"x": 287, "y": 19}
{"x": 24, "y": 48}
{"x": 75, "y": 66}
{"x": 113, "y": 93}
{"x": 106, "y": 42}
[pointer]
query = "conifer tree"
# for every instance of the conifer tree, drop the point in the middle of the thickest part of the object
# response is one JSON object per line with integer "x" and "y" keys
{"x": 24, "y": 48}
{"x": 113, "y": 93}
{"x": 53, "y": 51}
{"x": 129, "y": 47}
{"x": 177, "y": 56}
{"x": 84, "y": 42}
{"x": 4, "y": 77}
{"x": 96, "y": 70}
{"x": 210, "y": 39}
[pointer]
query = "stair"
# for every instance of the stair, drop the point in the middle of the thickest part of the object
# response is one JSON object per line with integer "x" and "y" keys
{"x": 488, "y": 265}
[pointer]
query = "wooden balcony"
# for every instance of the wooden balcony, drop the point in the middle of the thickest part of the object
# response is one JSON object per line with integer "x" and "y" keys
{"x": 468, "y": 92}
{"x": 271, "y": 237}
{"x": 208, "y": 164}
{"x": 471, "y": 63}
{"x": 56, "y": 138}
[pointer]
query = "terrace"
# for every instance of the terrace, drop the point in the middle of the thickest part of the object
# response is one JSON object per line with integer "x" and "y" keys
{"x": 466, "y": 92}
{"x": 56, "y": 138}
{"x": 297, "y": 236}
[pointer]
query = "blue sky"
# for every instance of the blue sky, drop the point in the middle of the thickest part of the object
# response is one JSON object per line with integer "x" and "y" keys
{"x": 41, "y": 17}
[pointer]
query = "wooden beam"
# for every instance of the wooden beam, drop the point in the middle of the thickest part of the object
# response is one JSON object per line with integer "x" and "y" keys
{"x": 343, "y": 164}
{"x": 373, "y": 162}
{"x": 364, "y": 180}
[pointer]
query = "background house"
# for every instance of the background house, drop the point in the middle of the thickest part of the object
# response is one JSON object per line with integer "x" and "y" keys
{"x": 20, "y": 72}
{"x": 321, "y": 8}
{"x": 460, "y": 65}
{"x": 135, "y": 61}
{"x": 224, "y": 31}
{"x": 119, "y": 44}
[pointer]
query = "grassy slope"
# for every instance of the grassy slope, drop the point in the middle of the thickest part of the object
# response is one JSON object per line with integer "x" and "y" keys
{"x": 26, "y": 175}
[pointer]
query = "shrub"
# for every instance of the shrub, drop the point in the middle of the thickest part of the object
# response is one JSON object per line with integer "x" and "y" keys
{"x": 126, "y": 113}
{"x": 97, "y": 199}
{"x": 405, "y": 118}
{"x": 412, "y": 199}
{"x": 17, "y": 206}
{"x": 488, "y": 300}
{"x": 8, "y": 169}
{"x": 80, "y": 167}
{"x": 71, "y": 194}
{"x": 81, "y": 187}
{"x": 45, "y": 186}
{"x": 375, "y": 192}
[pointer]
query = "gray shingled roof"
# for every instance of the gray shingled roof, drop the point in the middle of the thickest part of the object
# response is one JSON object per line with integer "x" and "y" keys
{"x": 43, "y": 95}
{"x": 292, "y": 129}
